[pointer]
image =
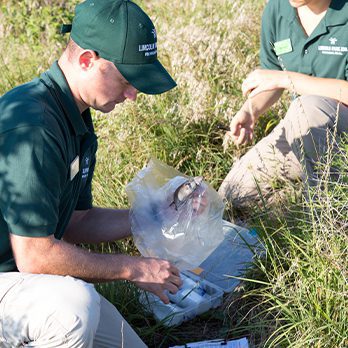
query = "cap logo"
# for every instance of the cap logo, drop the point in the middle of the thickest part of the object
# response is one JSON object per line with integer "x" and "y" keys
{"x": 149, "y": 49}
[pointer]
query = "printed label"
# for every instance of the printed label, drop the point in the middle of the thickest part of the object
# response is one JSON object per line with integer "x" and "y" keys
{"x": 148, "y": 49}
{"x": 333, "y": 50}
{"x": 74, "y": 168}
{"x": 282, "y": 47}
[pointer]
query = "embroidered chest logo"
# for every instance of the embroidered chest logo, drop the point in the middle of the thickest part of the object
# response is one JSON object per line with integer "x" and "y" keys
{"x": 333, "y": 49}
{"x": 85, "y": 168}
{"x": 333, "y": 40}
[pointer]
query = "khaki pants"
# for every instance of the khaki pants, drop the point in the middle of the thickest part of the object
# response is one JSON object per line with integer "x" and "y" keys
{"x": 290, "y": 152}
{"x": 49, "y": 311}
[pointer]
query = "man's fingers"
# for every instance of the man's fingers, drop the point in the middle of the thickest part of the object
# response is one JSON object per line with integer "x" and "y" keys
{"x": 163, "y": 297}
{"x": 168, "y": 286}
{"x": 173, "y": 289}
{"x": 242, "y": 137}
{"x": 234, "y": 127}
{"x": 176, "y": 280}
{"x": 174, "y": 270}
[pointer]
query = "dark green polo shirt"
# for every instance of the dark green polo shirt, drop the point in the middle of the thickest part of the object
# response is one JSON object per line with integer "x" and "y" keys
{"x": 47, "y": 158}
{"x": 324, "y": 53}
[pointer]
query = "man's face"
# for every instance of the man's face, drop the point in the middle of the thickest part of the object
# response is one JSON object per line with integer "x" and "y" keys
{"x": 103, "y": 87}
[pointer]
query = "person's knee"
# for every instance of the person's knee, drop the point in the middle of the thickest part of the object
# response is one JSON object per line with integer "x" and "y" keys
{"x": 309, "y": 112}
{"x": 52, "y": 311}
{"x": 307, "y": 123}
{"x": 81, "y": 310}
{"x": 242, "y": 186}
{"x": 74, "y": 308}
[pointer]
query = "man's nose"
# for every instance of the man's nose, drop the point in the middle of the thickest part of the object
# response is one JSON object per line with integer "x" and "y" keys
{"x": 131, "y": 93}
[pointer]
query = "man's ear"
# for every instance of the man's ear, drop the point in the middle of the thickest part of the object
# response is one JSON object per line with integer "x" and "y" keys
{"x": 86, "y": 59}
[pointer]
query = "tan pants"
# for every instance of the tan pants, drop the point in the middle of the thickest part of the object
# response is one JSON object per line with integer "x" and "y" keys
{"x": 291, "y": 151}
{"x": 49, "y": 311}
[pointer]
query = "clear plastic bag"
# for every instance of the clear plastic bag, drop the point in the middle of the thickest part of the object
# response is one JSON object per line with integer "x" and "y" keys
{"x": 173, "y": 216}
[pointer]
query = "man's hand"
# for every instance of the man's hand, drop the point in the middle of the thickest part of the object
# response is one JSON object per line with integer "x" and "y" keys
{"x": 263, "y": 88}
{"x": 261, "y": 80}
{"x": 156, "y": 276}
{"x": 241, "y": 128}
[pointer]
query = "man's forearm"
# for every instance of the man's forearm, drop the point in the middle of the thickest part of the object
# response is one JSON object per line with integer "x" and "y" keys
{"x": 98, "y": 225}
{"x": 48, "y": 255}
{"x": 325, "y": 87}
{"x": 262, "y": 80}
{"x": 260, "y": 103}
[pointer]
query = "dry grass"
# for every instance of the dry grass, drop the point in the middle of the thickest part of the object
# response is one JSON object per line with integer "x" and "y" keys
{"x": 209, "y": 47}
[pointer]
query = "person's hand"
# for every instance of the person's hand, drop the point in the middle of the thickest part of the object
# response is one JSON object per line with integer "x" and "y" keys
{"x": 241, "y": 128}
{"x": 261, "y": 80}
{"x": 156, "y": 276}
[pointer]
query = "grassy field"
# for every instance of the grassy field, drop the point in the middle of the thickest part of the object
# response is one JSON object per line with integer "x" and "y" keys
{"x": 294, "y": 296}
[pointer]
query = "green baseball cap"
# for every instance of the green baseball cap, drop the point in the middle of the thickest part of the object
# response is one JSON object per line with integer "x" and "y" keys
{"x": 121, "y": 32}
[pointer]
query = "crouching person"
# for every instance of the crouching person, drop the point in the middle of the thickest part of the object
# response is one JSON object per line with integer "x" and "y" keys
{"x": 298, "y": 39}
{"x": 47, "y": 160}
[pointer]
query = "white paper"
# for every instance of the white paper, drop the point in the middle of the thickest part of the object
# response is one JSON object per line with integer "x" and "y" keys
{"x": 241, "y": 343}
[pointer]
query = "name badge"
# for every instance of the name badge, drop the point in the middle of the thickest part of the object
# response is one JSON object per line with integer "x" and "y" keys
{"x": 74, "y": 167}
{"x": 281, "y": 47}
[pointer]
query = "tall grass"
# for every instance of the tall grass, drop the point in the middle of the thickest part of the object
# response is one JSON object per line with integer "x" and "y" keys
{"x": 296, "y": 295}
{"x": 200, "y": 46}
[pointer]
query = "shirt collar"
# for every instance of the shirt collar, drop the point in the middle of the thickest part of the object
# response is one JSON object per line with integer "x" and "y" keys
{"x": 65, "y": 97}
{"x": 287, "y": 11}
{"x": 336, "y": 14}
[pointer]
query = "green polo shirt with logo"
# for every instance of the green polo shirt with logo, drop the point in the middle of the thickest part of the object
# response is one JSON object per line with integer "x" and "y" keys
{"x": 47, "y": 159}
{"x": 323, "y": 54}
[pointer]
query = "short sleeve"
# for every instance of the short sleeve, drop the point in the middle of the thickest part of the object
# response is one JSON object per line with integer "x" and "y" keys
{"x": 268, "y": 58}
{"x": 32, "y": 174}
